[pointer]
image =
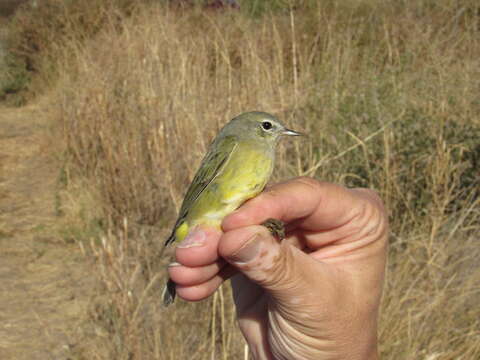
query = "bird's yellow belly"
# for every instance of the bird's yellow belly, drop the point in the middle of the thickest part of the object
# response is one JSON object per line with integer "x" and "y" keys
{"x": 244, "y": 176}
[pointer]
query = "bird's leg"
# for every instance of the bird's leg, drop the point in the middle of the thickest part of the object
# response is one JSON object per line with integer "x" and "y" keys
{"x": 276, "y": 228}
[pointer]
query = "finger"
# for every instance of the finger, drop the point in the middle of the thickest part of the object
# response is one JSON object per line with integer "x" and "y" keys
{"x": 369, "y": 225}
{"x": 199, "y": 248}
{"x": 207, "y": 288}
{"x": 312, "y": 204}
{"x": 188, "y": 276}
{"x": 277, "y": 267}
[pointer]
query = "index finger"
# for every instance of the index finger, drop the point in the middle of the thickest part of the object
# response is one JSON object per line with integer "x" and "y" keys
{"x": 312, "y": 204}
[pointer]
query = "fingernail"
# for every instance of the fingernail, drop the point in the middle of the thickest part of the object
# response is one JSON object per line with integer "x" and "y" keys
{"x": 248, "y": 251}
{"x": 172, "y": 264}
{"x": 196, "y": 238}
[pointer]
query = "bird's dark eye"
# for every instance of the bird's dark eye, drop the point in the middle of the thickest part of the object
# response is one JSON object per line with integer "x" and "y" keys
{"x": 267, "y": 125}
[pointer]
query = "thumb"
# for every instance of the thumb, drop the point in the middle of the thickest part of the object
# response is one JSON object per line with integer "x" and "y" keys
{"x": 278, "y": 267}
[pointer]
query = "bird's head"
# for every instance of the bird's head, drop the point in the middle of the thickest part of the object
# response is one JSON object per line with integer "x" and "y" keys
{"x": 258, "y": 125}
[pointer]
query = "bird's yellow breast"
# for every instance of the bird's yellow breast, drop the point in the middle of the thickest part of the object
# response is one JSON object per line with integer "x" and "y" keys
{"x": 244, "y": 176}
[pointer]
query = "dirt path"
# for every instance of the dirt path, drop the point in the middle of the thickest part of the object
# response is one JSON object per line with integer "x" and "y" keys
{"x": 43, "y": 281}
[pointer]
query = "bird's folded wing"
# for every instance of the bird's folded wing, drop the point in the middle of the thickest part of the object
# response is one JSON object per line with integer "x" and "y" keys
{"x": 212, "y": 165}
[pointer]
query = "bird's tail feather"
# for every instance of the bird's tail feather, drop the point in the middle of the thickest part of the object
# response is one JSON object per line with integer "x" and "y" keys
{"x": 169, "y": 292}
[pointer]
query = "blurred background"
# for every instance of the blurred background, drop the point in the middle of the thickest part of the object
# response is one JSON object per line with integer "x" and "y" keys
{"x": 131, "y": 93}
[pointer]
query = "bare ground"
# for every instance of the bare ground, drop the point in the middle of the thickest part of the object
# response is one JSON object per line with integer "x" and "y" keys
{"x": 44, "y": 286}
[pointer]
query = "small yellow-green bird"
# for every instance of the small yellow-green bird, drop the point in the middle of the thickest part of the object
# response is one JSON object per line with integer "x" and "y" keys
{"x": 236, "y": 168}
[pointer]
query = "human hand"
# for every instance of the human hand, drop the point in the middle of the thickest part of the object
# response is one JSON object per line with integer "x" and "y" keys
{"x": 316, "y": 294}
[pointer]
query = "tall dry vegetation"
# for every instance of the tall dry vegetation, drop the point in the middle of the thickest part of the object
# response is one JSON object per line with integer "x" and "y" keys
{"x": 388, "y": 92}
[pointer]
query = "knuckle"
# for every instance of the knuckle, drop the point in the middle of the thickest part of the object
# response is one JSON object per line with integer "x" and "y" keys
{"x": 372, "y": 195}
{"x": 281, "y": 270}
{"x": 370, "y": 221}
{"x": 268, "y": 193}
{"x": 308, "y": 181}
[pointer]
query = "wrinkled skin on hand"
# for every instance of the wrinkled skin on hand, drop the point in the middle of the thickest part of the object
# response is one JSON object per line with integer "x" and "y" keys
{"x": 316, "y": 294}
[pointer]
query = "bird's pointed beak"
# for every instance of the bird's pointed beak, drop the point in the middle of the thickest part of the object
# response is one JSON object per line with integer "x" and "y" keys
{"x": 289, "y": 132}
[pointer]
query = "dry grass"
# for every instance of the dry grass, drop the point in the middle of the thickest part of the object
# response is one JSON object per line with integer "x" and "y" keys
{"x": 388, "y": 93}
